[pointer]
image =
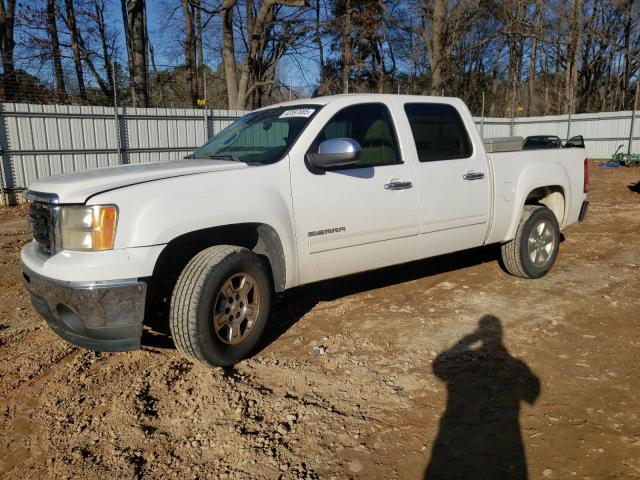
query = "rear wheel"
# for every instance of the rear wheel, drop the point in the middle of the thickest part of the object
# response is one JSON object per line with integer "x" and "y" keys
{"x": 220, "y": 305}
{"x": 533, "y": 251}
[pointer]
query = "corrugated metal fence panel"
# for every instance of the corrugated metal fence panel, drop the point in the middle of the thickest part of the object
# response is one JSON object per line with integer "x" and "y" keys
{"x": 153, "y": 134}
{"x": 45, "y": 140}
{"x": 493, "y": 127}
{"x": 602, "y": 132}
{"x": 42, "y": 140}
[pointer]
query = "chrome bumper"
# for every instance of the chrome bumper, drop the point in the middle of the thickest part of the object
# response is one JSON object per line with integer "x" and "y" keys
{"x": 102, "y": 316}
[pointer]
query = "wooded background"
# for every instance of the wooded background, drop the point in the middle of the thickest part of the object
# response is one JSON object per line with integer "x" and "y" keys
{"x": 526, "y": 57}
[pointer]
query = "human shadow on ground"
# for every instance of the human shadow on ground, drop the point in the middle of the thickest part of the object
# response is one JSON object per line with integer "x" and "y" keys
{"x": 479, "y": 436}
{"x": 634, "y": 187}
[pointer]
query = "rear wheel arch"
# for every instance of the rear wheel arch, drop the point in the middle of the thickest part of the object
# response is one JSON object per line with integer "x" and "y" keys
{"x": 551, "y": 196}
{"x": 534, "y": 249}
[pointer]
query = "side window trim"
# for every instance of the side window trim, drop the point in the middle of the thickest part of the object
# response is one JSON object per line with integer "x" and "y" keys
{"x": 394, "y": 132}
{"x": 461, "y": 123}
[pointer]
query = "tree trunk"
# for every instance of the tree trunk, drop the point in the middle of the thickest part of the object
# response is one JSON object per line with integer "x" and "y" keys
{"x": 573, "y": 49}
{"x": 533, "y": 55}
{"x": 199, "y": 50}
{"x": 318, "y": 40}
{"x": 155, "y": 71}
{"x": 228, "y": 58}
{"x": 7, "y": 44}
{"x": 346, "y": 46}
{"x": 238, "y": 90}
{"x": 52, "y": 28}
{"x": 73, "y": 29}
{"x": 437, "y": 55}
{"x": 104, "y": 41}
{"x": 189, "y": 52}
{"x": 136, "y": 25}
{"x": 127, "y": 37}
{"x": 628, "y": 58}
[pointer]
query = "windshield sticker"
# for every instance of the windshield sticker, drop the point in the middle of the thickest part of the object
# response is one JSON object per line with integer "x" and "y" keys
{"x": 298, "y": 112}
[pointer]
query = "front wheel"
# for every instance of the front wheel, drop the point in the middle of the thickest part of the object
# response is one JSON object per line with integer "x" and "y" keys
{"x": 533, "y": 251}
{"x": 220, "y": 305}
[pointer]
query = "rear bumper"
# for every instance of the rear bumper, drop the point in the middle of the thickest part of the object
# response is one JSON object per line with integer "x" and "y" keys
{"x": 583, "y": 211}
{"x": 103, "y": 316}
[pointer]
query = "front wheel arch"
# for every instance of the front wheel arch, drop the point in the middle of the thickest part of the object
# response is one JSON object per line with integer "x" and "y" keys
{"x": 260, "y": 238}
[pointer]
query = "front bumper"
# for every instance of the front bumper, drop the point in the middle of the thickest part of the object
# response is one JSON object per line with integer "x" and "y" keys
{"x": 104, "y": 316}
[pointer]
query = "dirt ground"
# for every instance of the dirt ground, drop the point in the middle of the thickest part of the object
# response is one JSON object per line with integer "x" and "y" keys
{"x": 446, "y": 368}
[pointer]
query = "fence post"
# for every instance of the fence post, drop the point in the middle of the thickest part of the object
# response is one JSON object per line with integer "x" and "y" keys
{"x": 482, "y": 118}
{"x": 115, "y": 114}
{"x": 206, "y": 107}
{"x": 634, "y": 107}
{"x": 4, "y": 198}
{"x": 569, "y": 119}
{"x": 513, "y": 115}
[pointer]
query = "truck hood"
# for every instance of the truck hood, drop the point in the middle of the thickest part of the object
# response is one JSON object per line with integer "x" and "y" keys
{"x": 78, "y": 187}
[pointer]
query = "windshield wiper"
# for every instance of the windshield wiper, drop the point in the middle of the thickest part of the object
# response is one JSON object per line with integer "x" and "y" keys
{"x": 230, "y": 156}
{"x": 223, "y": 156}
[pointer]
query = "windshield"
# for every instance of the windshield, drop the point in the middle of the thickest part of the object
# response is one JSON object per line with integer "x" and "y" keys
{"x": 260, "y": 137}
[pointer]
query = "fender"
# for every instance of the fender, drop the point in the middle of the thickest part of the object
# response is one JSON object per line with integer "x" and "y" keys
{"x": 535, "y": 176}
{"x": 158, "y": 212}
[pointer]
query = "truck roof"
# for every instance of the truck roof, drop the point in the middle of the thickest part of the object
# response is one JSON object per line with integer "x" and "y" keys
{"x": 364, "y": 97}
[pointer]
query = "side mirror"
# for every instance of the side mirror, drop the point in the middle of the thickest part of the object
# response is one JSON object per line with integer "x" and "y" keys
{"x": 337, "y": 152}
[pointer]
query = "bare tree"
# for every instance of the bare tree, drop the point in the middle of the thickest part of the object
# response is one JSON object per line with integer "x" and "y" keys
{"x": 318, "y": 40}
{"x": 75, "y": 49}
{"x": 7, "y": 44}
{"x": 436, "y": 46}
{"x": 573, "y": 51}
{"x": 346, "y": 46}
{"x": 99, "y": 8}
{"x": 134, "y": 17}
{"x": 537, "y": 33}
{"x": 138, "y": 54}
{"x": 199, "y": 71}
{"x": 127, "y": 37}
{"x": 190, "y": 51}
{"x": 55, "y": 49}
{"x": 239, "y": 88}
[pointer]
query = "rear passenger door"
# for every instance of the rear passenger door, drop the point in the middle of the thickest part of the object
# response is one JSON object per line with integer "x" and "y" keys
{"x": 360, "y": 217}
{"x": 453, "y": 177}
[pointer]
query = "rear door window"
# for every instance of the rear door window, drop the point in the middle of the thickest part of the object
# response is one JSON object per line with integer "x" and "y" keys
{"x": 438, "y": 132}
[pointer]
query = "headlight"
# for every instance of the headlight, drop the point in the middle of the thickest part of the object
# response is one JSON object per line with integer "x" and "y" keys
{"x": 88, "y": 228}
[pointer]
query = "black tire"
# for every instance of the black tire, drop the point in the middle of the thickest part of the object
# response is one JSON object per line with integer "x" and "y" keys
{"x": 197, "y": 295}
{"x": 516, "y": 255}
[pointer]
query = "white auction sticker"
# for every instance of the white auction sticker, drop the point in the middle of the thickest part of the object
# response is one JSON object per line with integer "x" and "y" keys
{"x": 297, "y": 112}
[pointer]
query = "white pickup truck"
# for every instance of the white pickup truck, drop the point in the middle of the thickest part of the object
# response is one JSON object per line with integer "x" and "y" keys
{"x": 287, "y": 195}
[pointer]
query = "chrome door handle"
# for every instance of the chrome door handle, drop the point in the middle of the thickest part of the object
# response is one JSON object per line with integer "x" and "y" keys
{"x": 398, "y": 185}
{"x": 473, "y": 176}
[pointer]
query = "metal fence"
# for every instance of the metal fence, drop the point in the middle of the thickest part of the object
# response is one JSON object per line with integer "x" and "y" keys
{"x": 38, "y": 141}
{"x": 602, "y": 132}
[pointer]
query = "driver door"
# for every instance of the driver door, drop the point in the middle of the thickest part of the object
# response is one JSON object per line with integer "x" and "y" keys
{"x": 360, "y": 217}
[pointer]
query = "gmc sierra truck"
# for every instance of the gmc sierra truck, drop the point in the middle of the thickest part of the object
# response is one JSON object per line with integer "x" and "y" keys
{"x": 287, "y": 195}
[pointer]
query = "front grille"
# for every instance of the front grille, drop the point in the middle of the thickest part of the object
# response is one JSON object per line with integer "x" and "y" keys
{"x": 41, "y": 222}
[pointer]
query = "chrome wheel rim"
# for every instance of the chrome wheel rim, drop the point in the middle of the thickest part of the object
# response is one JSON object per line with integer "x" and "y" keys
{"x": 236, "y": 308}
{"x": 541, "y": 243}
